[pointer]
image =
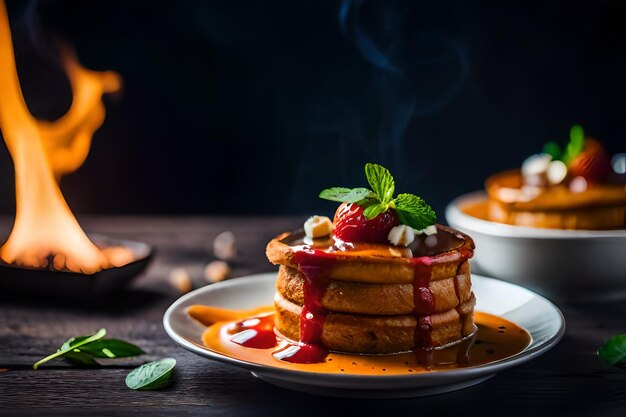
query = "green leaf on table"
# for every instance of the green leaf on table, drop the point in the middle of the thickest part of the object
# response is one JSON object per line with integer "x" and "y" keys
{"x": 80, "y": 358}
{"x": 84, "y": 350}
{"x": 71, "y": 346}
{"x": 152, "y": 375}
{"x": 613, "y": 351}
{"x": 106, "y": 348}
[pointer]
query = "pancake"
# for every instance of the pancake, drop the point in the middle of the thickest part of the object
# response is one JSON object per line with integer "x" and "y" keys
{"x": 601, "y": 218}
{"x": 379, "y": 299}
{"x": 375, "y": 334}
{"x": 378, "y": 264}
{"x": 598, "y": 207}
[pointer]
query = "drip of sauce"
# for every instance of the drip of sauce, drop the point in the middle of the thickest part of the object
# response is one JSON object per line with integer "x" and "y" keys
{"x": 424, "y": 306}
{"x": 301, "y": 353}
{"x": 315, "y": 265}
{"x": 495, "y": 339}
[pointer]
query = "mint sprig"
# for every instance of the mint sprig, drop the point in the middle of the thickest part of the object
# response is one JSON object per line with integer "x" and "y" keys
{"x": 576, "y": 144}
{"x": 84, "y": 350}
{"x": 70, "y": 346}
{"x": 573, "y": 148}
{"x": 412, "y": 210}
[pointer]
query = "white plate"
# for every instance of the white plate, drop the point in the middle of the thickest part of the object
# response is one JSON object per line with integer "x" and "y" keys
{"x": 555, "y": 262}
{"x": 536, "y": 314}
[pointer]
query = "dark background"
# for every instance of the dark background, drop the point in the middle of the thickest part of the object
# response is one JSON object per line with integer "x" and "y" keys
{"x": 253, "y": 107}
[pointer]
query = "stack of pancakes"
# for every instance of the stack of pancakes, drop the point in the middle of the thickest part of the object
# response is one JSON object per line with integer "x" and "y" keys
{"x": 598, "y": 207}
{"x": 368, "y": 293}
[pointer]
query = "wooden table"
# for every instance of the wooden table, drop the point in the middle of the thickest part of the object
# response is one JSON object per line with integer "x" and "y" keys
{"x": 569, "y": 379}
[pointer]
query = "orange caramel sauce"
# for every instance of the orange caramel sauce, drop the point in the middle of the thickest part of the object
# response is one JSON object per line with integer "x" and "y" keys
{"x": 495, "y": 339}
{"x": 478, "y": 209}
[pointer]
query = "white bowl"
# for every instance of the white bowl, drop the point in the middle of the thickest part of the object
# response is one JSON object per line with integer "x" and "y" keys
{"x": 555, "y": 262}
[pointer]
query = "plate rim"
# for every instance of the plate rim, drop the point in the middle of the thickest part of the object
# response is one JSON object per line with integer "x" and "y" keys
{"x": 455, "y": 216}
{"x": 321, "y": 379}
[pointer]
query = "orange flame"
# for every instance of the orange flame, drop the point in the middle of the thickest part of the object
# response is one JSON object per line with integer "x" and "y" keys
{"x": 45, "y": 233}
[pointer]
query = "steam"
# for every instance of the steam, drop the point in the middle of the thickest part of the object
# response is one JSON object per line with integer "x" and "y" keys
{"x": 415, "y": 71}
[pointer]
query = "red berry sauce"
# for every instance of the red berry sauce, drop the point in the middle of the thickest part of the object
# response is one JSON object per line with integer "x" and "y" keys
{"x": 315, "y": 265}
{"x": 255, "y": 332}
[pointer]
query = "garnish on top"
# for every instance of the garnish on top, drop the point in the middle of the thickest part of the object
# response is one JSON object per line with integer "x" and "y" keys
{"x": 583, "y": 158}
{"x": 370, "y": 215}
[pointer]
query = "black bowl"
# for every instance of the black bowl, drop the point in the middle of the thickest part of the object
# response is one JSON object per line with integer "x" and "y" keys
{"x": 65, "y": 284}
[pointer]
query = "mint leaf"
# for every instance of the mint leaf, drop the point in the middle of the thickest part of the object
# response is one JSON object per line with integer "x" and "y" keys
{"x": 112, "y": 348}
{"x": 151, "y": 375}
{"x": 381, "y": 181}
{"x": 577, "y": 134}
{"x": 374, "y": 210}
{"x": 81, "y": 358}
{"x": 72, "y": 341}
{"x": 335, "y": 193}
{"x": 613, "y": 351}
{"x": 71, "y": 346}
{"x": 553, "y": 149}
{"x": 105, "y": 348}
{"x": 345, "y": 195}
{"x": 83, "y": 350}
{"x": 414, "y": 212}
{"x": 576, "y": 144}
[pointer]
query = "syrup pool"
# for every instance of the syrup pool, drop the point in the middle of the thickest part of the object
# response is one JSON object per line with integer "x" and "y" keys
{"x": 495, "y": 339}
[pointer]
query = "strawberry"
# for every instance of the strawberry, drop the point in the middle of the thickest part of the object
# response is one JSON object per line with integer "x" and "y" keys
{"x": 592, "y": 163}
{"x": 352, "y": 226}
